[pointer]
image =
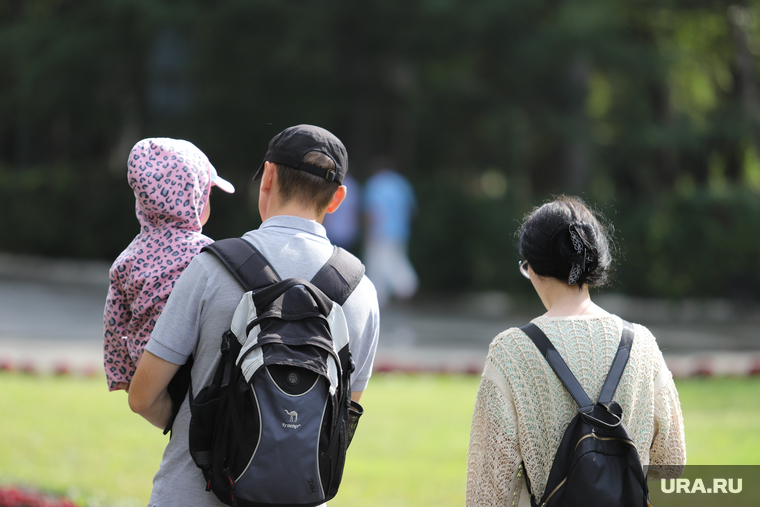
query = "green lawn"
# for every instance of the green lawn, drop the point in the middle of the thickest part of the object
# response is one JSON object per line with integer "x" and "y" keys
{"x": 59, "y": 433}
{"x": 722, "y": 420}
{"x": 69, "y": 435}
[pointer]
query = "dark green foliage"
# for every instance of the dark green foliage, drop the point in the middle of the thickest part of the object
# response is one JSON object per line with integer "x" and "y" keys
{"x": 625, "y": 103}
{"x": 693, "y": 246}
{"x": 66, "y": 211}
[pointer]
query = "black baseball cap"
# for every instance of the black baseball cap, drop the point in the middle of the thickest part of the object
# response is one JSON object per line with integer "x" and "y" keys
{"x": 290, "y": 146}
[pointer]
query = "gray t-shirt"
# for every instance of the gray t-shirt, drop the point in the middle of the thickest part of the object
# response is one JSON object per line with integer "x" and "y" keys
{"x": 200, "y": 309}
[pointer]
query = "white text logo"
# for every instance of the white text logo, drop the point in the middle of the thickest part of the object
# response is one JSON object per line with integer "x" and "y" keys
{"x": 698, "y": 486}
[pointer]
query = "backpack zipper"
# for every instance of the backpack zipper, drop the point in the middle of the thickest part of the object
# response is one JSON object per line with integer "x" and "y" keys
{"x": 590, "y": 435}
{"x": 552, "y": 493}
{"x": 593, "y": 435}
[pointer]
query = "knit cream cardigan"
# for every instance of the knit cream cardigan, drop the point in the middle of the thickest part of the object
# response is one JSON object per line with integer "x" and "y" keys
{"x": 522, "y": 409}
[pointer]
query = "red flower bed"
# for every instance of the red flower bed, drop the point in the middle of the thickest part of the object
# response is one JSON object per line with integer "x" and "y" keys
{"x": 16, "y": 497}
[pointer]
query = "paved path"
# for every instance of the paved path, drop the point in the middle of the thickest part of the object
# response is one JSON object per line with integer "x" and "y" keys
{"x": 51, "y": 311}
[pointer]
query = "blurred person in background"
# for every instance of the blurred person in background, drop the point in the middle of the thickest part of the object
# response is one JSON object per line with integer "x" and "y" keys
{"x": 522, "y": 409}
{"x": 389, "y": 205}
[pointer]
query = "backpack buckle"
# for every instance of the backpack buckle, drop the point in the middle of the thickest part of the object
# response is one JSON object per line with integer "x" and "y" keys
{"x": 225, "y": 346}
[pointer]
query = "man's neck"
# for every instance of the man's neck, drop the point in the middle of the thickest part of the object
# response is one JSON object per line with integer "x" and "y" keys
{"x": 292, "y": 210}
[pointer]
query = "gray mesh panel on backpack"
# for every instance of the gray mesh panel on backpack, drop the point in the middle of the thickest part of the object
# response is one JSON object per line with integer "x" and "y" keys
{"x": 285, "y": 466}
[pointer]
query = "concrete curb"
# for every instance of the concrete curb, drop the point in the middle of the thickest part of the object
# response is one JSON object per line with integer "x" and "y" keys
{"x": 45, "y": 357}
{"x": 703, "y": 364}
{"x": 49, "y": 357}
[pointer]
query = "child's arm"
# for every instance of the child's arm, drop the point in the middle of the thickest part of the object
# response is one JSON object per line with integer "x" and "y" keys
{"x": 116, "y": 359}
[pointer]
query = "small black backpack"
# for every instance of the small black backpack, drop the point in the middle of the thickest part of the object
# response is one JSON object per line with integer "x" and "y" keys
{"x": 274, "y": 425}
{"x": 596, "y": 463}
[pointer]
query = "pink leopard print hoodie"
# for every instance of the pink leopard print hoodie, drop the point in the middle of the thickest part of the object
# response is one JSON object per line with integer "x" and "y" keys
{"x": 172, "y": 180}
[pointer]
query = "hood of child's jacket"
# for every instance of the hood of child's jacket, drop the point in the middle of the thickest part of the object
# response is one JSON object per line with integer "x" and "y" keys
{"x": 171, "y": 180}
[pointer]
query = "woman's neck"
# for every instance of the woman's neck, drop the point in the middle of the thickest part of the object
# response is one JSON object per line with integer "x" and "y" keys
{"x": 562, "y": 300}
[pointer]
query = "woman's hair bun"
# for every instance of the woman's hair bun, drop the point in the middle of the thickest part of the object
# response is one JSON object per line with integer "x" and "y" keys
{"x": 566, "y": 240}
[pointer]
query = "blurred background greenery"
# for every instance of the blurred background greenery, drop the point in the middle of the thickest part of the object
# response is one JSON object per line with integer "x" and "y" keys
{"x": 649, "y": 109}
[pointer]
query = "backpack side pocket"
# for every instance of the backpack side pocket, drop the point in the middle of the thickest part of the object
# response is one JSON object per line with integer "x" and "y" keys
{"x": 355, "y": 411}
{"x": 204, "y": 409}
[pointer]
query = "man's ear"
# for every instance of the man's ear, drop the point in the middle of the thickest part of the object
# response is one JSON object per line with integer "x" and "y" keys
{"x": 266, "y": 190}
{"x": 338, "y": 197}
{"x": 267, "y": 176}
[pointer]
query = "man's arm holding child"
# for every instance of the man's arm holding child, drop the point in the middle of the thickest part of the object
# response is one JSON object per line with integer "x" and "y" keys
{"x": 148, "y": 395}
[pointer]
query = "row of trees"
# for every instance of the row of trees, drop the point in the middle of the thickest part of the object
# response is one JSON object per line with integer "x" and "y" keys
{"x": 648, "y": 109}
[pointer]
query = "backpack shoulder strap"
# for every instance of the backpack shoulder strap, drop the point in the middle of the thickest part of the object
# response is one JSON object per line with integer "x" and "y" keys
{"x": 245, "y": 262}
{"x": 567, "y": 378}
{"x": 559, "y": 366}
{"x": 339, "y": 276}
{"x": 618, "y": 364}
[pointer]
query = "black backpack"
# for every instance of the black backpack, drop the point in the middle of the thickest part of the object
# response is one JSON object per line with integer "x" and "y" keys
{"x": 274, "y": 425}
{"x": 596, "y": 463}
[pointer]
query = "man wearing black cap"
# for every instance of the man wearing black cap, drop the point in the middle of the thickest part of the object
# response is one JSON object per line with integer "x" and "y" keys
{"x": 301, "y": 180}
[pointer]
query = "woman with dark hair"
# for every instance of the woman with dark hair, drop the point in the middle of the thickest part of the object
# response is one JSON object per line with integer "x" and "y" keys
{"x": 522, "y": 408}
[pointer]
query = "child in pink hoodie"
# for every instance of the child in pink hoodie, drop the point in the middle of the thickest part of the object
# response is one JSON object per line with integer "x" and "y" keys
{"x": 172, "y": 181}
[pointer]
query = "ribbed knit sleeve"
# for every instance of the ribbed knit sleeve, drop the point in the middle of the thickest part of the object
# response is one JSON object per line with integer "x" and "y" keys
{"x": 667, "y": 455}
{"x": 494, "y": 457}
